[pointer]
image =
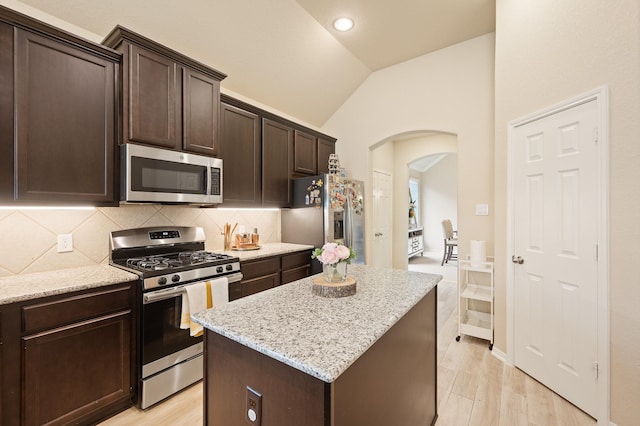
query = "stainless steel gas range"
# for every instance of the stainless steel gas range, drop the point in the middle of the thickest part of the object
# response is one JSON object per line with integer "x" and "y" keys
{"x": 167, "y": 259}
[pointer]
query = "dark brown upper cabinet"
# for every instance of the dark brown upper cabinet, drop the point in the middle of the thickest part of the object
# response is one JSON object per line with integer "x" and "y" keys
{"x": 241, "y": 151}
{"x": 326, "y": 147}
{"x": 169, "y": 100}
{"x": 305, "y": 157}
{"x": 262, "y": 152}
{"x": 58, "y": 112}
{"x": 277, "y": 139}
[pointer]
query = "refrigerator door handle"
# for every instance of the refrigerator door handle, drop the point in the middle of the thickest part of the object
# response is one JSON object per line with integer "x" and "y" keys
{"x": 348, "y": 222}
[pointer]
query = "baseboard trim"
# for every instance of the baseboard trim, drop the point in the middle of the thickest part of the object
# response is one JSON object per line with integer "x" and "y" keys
{"x": 499, "y": 354}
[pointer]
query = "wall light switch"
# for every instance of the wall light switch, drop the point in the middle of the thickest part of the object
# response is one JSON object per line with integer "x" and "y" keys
{"x": 482, "y": 209}
{"x": 65, "y": 243}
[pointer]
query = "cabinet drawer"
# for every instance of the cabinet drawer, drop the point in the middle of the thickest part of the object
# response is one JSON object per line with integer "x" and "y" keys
{"x": 61, "y": 312}
{"x": 295, "y": 260}
{"x": 257, "y": 268}
{"x": 296, "y": 274}
{"x": 260, "y": 284}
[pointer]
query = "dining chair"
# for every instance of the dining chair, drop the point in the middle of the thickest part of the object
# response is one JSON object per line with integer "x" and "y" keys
{"x": 450, "y": 242}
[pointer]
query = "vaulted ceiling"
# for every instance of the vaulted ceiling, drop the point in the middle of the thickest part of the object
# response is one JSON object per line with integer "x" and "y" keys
{"x": 284, "y": 53}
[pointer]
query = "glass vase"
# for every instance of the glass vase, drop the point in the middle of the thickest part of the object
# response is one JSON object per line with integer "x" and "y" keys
{"x": 335, "y": 272}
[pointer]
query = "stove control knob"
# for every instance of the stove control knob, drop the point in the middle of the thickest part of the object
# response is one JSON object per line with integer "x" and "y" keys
{"x": 219, "y": 269}
{"x": 162, "y": 280}
{"x": 175, "y": 278}
{"x": 229, "y": 267}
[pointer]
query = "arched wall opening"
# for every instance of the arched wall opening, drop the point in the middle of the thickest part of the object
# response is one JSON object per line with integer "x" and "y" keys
{"x": 393, "y": 155}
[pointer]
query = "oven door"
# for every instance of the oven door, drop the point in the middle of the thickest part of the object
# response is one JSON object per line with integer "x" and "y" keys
{"x": 163, "y": 342}
{"x": 171, "y": 359}
{"x": 162, "y": 176}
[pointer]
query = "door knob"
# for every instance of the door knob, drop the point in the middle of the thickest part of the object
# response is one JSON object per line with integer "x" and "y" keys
{"x": 519, "y": 260}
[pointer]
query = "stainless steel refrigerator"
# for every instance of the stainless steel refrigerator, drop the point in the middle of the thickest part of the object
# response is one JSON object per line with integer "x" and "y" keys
{"x": 326, "y": 208}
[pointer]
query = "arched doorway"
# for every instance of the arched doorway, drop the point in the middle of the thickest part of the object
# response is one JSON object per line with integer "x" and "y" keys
{"x": 393, "y": 156}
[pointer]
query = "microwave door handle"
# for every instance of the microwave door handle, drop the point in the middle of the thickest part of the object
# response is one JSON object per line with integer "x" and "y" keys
{"x": 208, "y": 174}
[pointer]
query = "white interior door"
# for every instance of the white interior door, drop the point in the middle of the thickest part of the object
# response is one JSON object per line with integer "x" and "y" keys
{"x": 555, "y": 227}
{"x": 382, "y": 219}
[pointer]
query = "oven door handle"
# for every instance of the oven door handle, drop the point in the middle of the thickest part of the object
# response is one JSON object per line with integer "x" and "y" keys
{"x": 162, "y": 294}
{"x": 176, "y": 291}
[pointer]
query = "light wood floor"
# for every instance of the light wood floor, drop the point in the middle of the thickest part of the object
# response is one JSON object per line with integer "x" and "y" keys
{"x": 474, "y": 387}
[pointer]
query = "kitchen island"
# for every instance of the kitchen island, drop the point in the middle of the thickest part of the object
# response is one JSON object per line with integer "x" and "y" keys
{"x": 367, "y": 359}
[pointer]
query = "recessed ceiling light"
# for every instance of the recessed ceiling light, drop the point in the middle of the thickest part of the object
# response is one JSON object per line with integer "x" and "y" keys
{"x": 343, "y": 24}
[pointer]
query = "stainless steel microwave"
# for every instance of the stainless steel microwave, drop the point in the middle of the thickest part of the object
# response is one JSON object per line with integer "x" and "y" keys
{"x": 155, "y": 175}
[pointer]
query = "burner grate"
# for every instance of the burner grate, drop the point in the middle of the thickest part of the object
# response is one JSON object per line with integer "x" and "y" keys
{"x": 175, "y": 260}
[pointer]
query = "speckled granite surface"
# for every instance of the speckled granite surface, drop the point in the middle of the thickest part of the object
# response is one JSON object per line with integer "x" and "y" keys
{"x": 266, "y": 250}
{"x": 320, "y": 336}
{"x": 17, "y": 288}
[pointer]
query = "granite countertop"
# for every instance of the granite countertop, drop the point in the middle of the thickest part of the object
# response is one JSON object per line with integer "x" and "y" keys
{"x": 17, "y": 288}
{"x": 320, "y": 336}
{"x": 266, "y": 250}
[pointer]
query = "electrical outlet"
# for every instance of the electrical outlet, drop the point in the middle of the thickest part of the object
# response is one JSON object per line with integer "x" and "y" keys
{"x": 254, "y": 407}
{"x": 65, "y": 243}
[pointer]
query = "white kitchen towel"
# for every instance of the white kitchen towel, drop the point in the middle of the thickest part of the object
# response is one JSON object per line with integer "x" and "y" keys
{"x": 219, "y": 292}
{"x": 201, "y": 296}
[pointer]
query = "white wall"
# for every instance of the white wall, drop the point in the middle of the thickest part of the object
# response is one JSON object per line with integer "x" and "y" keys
{"x": 439, "y": 188}
{"x": 551, "y": 50}
{"x": 449, "y": 91}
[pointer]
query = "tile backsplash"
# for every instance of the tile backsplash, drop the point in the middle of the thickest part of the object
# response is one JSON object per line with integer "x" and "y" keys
{"x": 28, "y": 238}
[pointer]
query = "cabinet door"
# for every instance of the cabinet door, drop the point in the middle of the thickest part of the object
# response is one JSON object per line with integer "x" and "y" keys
{"x": 65, "y": 101}
{"x": 240, "y": 150}
{"x": 305, "y": 159}
{"x": 6, "y": 113}
{"x": 154, "y": 103}
{"x": 325, "y": 148}
{"x": 277, "y": 139}
{"x": 200, "y": 104}
{"x": 1, "y": 370}
{"x": 71, "y": 372}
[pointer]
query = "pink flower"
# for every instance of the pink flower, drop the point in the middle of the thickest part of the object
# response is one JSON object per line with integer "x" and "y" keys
{"x": 329, "y": 254}
{"x": 343, "y": 252}
{"x": 332, "y": 253}
{"x": 329, "y": 257}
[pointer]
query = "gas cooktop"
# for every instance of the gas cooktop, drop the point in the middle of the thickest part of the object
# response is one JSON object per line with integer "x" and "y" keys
{"x": 168, "y": 255}
{"x": 175, "y": 261}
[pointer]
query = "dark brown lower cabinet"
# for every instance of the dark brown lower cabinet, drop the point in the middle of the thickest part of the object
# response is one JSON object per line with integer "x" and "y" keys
{"x": 391, "y": 383}
{"x": 295, "y": 266}
{"x": 68, "y": 359}
{"x": 73, "y": 372}
{"x": 260, "y": 275}
{"x": 268, "y": 272}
